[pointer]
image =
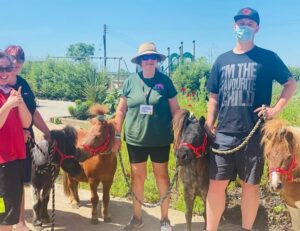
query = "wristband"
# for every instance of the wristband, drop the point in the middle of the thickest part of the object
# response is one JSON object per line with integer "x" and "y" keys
{"x": 117, "y": 136}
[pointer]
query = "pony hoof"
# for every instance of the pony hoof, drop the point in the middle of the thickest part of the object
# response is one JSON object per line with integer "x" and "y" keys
{"x": 46, "y": 220}
{"x": 75, "y": 206}
{"x": 94, "y": 221}
{"x": 37, "y": 223}
{"x": 107, "y": 219}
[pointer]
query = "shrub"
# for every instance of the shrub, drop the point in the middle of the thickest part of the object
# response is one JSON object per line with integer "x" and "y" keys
{"x": 112, "y": 100}
{"x": 81, "y": 109}
{"x": 188, "y": 75}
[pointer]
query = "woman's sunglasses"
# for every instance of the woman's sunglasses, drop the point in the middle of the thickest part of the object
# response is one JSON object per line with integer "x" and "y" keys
{"x": 147, "y": 57}
{"x": 6, "y": 69}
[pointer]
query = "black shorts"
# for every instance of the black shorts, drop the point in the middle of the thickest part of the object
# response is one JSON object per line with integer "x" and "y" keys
{"x": 248, "y": 163}
{"x": 28, "y": 164}
{"x": 139, "y": 154}
{"x": 11, "y": 191}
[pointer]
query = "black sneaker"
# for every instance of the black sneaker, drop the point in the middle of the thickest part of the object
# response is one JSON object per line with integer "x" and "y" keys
{"x": 165, "y": 225}
{"x": 134, "y": 224}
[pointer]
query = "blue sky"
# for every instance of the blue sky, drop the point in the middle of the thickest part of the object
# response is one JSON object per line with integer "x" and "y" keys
{"x": 47, "y": 28}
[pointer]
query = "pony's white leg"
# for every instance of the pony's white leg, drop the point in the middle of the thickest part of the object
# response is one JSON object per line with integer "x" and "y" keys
{"x": 295, "y": 215}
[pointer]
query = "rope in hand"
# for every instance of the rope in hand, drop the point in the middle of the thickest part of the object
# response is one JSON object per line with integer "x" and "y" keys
{"x": 246, "y": 141}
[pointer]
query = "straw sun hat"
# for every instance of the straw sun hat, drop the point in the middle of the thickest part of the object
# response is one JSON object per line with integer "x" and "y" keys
{"x": 145, "y": 49}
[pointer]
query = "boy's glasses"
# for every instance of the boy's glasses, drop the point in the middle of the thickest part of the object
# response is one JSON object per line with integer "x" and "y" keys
{"x": 6, "y": 69}
{"x": 147, "y": 57}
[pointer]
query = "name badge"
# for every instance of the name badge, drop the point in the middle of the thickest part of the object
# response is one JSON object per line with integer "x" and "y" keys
{"x": 146, "y": 109}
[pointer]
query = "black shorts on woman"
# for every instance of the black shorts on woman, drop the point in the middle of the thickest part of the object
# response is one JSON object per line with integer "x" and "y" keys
{"x": 11, "y": 193}
{"x": 247, "y": 163}
{"x": 139, "y": 154}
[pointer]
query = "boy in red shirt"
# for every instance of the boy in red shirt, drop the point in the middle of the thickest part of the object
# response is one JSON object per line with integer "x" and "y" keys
{"x": 14, "y": 116}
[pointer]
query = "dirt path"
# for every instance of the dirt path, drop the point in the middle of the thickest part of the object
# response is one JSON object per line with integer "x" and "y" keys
{"x": 68, "y": 218}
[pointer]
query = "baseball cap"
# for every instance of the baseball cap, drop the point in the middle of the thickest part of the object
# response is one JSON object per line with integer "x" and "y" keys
{"x": 249, "y": 13}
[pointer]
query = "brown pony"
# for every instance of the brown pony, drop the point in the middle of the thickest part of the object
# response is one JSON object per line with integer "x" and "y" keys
{"x": 96, "y": 143}
{"x": 191, "y": 143}
{"x": 282, "y": 151}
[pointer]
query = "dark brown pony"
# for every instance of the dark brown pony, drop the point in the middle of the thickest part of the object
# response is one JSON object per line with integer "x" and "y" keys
{"x": 281, "y": 144}
{"x": 191, "y": 142}
{"x": 101, "y": 165}
{"x": 46, "y": 158}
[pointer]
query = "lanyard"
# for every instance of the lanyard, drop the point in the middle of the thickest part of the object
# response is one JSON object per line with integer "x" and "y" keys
{"x": 146, "y": 93}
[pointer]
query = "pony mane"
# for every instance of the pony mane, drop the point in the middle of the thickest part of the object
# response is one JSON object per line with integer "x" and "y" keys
{"x": 274, "y": 131}
{"x": 179, "y": 124}
{"x": 112, "y": 126}
{"x": 98, "y": 109}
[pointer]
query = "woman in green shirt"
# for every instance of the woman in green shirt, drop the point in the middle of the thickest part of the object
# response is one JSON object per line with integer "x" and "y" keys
{"x": 147, "y": 105}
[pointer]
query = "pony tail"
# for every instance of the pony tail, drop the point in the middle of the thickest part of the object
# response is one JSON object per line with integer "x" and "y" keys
{"x": 67, "y": 190}
{"x": 180, "y": 121}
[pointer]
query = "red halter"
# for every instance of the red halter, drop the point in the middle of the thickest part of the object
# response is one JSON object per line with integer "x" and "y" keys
{"x": 198, "y": 151}
{"x": 62, "y": 155}
{"x": 100, "y": 149}
{"x": 288, "y": 172}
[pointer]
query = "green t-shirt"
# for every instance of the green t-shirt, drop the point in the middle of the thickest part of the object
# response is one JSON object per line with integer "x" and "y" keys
{"x": 149, "y": 130}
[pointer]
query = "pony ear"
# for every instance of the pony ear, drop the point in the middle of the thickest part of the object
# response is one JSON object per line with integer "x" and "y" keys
{"x": 202, "y": 121}
{"x": 191, "y": 117}
{"x": 282, "y": 133}
{"x": 93, "y": 121}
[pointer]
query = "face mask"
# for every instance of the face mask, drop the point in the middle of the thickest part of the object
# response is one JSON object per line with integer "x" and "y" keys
{"x": 244, "y": 33}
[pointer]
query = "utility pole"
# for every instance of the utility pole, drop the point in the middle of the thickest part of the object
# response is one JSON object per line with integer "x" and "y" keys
{"x": 169, "y": 61}
{"x": 180, "y": 59}
{"x": 119, "y": 77}
{"x": 181, "y": 53}
{"x": 104, "y": 44}
{"x": 194, "y": 50}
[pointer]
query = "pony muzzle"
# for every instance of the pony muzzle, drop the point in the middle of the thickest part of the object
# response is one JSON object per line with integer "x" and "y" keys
{"x": 275, "y": 184}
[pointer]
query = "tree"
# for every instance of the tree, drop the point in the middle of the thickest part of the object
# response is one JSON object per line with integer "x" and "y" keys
{"x": 296, "y": 72}
{"x": 188, "y": 74}
{"x": 80, "y": 51}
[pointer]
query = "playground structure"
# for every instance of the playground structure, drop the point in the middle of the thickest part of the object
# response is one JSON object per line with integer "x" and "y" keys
{"x": 117, "y": 77}
{"x": 121, "y": 71}
{"x": 174, "y": 59}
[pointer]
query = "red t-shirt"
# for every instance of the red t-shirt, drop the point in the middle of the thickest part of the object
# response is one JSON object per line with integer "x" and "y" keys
{"x": 12, "y": 146}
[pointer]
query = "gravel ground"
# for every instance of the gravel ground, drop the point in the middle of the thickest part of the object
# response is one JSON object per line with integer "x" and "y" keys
{"x": 267, "y": 217}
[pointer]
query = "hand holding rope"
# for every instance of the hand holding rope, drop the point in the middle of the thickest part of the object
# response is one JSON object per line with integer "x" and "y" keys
{"x": 246, "y": 141}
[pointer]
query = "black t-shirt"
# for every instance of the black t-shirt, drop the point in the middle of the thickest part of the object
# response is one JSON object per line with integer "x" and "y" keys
{"x": 27, "y": 95}
{"x": 243, "y": 83}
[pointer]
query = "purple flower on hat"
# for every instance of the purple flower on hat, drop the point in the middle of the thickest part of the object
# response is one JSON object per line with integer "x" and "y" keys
{"x": 159, "y": 86}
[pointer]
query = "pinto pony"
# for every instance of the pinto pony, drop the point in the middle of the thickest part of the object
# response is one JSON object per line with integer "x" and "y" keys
{"x": 281, "y": 144}
{"x": 100, "y": 166}
{"x": 191, "y": 142}
{"x": 46, "y": 158}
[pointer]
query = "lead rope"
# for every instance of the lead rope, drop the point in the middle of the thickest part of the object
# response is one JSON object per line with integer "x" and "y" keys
{"x": 246, "y": 141}
{"x": 53, "y": 191}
